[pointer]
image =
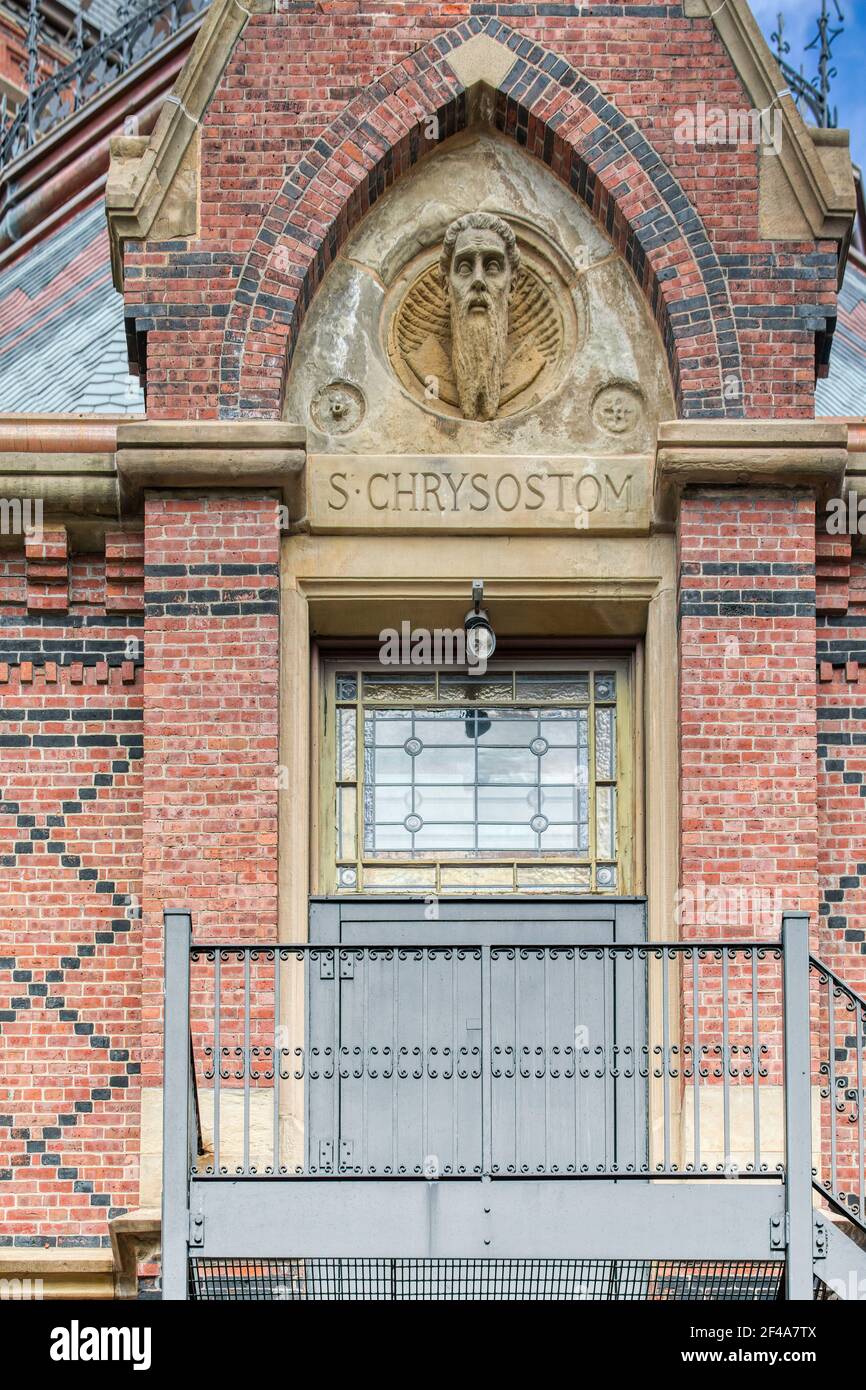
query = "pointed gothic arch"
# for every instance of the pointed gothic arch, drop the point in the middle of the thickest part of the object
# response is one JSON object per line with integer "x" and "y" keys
{"x": 557, "y": 116}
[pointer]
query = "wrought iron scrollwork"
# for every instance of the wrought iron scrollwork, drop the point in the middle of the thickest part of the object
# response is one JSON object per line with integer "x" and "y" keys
{"x": 91, "y": 69}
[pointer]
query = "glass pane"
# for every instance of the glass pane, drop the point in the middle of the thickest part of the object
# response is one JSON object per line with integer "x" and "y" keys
{"x": 605, "y": 685}
{"x": 605, "y": 743}
{"x": 483, "y": 780}
{"x": 605, "y": 876}
{"x": 554, "y": 876}
{"x": 553, "y": 688}
{"x": 439, "y": 765}
{"x": 513, "y": 804}
{"x": 445, "y": 803}
{"x": 471, "y": 876}
{"x": 605, "y": 822}
{"x": 346, "y": 725}
{"x": 387, "y": 837}
{"x": 347, "y": 687}
{"x": 391, "y": 689}
{"x": 462, "y": 689}
{"x": 508, "y": 837}
{"x": 398, "y": 876}
{"x": 347, "y": 804}
{"x": 506, "y": 766}
{"x": 563, "y": 728}
{"x": 390, "y": 729}
{"x": 562, "y": 766}
{"x": 441, "y": 837}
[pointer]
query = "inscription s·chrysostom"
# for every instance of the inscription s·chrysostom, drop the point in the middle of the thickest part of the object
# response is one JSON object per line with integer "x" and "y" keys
{"x": 502, "y": 494}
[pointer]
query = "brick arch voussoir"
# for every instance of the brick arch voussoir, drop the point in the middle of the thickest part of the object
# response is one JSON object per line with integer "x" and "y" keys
{"x": 559, "y": 117}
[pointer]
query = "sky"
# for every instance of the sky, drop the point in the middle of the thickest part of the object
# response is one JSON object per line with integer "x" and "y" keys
{"x": 848, "y": 90}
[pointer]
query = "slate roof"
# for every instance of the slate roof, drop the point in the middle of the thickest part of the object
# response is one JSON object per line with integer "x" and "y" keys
{"x": 105, "y": 14}
{"x": 62, "y": 341}
{"x": 843, "y": 392}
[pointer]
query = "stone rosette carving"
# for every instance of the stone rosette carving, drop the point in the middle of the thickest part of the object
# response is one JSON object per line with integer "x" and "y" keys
{"x": 482, "y": 328}
{"x": 618, "y": 407}
{"x": 338, "y": 408}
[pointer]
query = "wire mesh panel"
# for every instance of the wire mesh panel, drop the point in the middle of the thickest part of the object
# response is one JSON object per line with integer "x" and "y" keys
{"x": 478, "y": 1280}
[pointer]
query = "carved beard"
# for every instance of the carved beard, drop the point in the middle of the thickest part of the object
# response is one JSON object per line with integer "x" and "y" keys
{"x": 478, "y": 358}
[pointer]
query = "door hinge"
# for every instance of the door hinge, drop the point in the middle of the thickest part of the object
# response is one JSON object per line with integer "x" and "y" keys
{"x": 326, "y": 965}
{"x": 326, "y": 1155}
{"x": 196, "y": 1230}
{"x": 347, "y": 965}
{"x": 347, "y": 1154}
{"x": 780, "y": 1232}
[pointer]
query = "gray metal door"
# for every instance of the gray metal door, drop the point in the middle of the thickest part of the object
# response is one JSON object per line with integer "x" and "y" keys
{"x": 503, "y": 1037}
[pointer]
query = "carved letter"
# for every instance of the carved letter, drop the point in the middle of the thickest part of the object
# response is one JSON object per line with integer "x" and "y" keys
{"x": 340, "y": 490}
{"x": 535, "y": 491}
{"x": 482, "y": 492}
{"x": 375, "y": 478}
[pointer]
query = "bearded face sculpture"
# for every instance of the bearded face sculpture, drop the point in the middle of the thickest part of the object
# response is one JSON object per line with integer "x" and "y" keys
{"x": 478, "y": 264}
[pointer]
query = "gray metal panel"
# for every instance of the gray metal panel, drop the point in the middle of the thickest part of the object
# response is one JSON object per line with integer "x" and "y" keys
{"x": 176, "y": 1107}
{"x": 499, "y": 1218}
{"x": 498, "y": 1058}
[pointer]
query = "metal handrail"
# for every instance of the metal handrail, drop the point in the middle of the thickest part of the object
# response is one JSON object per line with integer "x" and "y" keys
{"x": 843, "y": 1117}
{"x": 691, "y": 1062}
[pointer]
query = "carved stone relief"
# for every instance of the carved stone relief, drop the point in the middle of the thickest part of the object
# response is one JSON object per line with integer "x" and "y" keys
{"x": 481, "y": 330}
{"x": 479, "y": 309}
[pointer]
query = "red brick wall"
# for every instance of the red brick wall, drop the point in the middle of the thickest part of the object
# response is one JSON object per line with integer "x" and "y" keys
{"x": 211, "y": 727}
{"x": 747, "y": 654}
{"x": 297, "y": 145}
{"x": 70, "y": 939}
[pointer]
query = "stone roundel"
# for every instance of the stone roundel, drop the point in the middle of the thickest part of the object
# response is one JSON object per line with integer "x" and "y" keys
{"x": 543, "y": 329}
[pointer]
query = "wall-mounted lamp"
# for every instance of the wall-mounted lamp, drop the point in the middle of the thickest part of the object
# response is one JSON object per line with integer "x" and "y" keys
{"x": 480, "y": 637}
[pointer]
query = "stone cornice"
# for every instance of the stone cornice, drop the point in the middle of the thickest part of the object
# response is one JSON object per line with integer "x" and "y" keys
{"x": 61, "y": 1274}
{"x": 92, "y": 475}
{"x": 747, "y": 454}
{"x": 168, "y": 455}
{"x": 135, "y": 1239}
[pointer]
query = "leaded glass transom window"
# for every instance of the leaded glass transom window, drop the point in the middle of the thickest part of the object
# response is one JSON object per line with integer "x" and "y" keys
{"x": 450, "y": 783}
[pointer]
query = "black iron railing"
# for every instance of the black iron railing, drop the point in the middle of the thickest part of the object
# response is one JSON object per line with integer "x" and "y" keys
{"x": 93, "y": 67}
{"x": 839, "y": 1073}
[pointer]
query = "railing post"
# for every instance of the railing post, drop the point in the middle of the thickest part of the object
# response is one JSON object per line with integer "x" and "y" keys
{"x": 798, "y": 1107}
{"x": 176, "y": 1106}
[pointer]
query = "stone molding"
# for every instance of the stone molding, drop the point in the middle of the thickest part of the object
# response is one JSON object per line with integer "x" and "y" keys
{"x": 61, "y": 1274}
{"x": 747, "y": 454}
{"x": 100, "y": 487}
{"x": 816, "y": 198}
{"x": 205, "y": 455}
{"x": 135, "y": 1239}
